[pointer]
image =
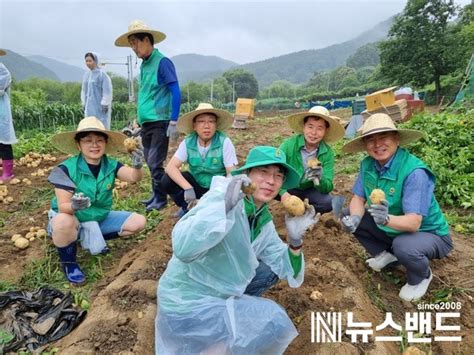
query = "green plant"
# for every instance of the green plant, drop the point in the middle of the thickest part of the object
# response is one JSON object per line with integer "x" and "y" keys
{"x": 5, "y": 337}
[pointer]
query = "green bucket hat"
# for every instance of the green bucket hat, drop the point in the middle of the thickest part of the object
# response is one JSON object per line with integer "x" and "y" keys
{"x": 265, "y": 155}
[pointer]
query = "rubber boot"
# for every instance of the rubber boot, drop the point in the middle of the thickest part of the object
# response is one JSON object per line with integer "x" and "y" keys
{"x": 159, "y": 200}
{"x": 151, "y": 198}
{"x": 7, "y": 170}
{"x": 71, "y": 269}
{"x": 178, "y": 198}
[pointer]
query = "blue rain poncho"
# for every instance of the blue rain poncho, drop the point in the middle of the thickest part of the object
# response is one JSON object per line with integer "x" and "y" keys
{"x": 7, "y": 132}
{"x": 201, "y": 299}
{"x": 96, "y": 94}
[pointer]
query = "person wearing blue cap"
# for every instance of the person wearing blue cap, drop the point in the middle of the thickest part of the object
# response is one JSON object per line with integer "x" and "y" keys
{"x": 226, "y": 253}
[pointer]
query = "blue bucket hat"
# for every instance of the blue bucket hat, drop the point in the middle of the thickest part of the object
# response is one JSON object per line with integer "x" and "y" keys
{"x": 265, "y": 155}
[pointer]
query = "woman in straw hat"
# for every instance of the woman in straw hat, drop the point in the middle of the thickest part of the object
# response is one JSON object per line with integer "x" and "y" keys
{"x": 83, "y": 185}
{"x": 226, "y": 253}
{"x": 7, "y": 132}
{"x": 96, "y": 91}
{"x": 407, "y": 225}
{"x": 314, "y": 130}
{"x": 158, "y": 103}
{"x": 207, "y": 151}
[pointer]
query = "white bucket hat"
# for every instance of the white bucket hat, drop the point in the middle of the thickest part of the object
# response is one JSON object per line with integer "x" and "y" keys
{"x": 185, "y": 122}
{"x": 335, "y": 130}
{"x": 378, "y": 123}
{"x": 66, "y": 143}
{"x": 138, "y": 26}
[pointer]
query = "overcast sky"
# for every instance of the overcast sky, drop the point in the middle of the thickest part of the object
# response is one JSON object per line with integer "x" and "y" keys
{"x": 241, "y": 31}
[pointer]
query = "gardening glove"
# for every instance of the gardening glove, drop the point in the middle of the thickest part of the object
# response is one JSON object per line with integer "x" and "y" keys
{"x": 172, "y": 131}
{"x": 314, "y": 174}
{"x": 105, "y": 108}
{"x": 297, "y": 226}
{"x": 80, "y": 202}
{"x": 350, "y": 223}
{"x": 138, "y": 157}
{"x": 234, "y": 192}
{"x": 190, "y": 198}
{"x": 379, "y": 212}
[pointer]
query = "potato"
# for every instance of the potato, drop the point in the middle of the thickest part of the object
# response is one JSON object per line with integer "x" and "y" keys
{"x": 30, "y": 235}
{"x": 15, "y": 181}
{"x": 22, "y": 243}
{"x": 3, "y": 190}
{"x": 249, "y": 189}
{"x": 16, "y": 236}
{"x": 8, "y": 199}
{"x": 313, "y": 163}
{"x": 131, "y": 144}
{"x": 376, "y": 196}
{"x": 294, "y": 206}
{"x": 41, "y": 233}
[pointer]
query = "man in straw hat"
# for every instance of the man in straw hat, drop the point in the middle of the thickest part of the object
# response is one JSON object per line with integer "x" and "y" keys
{"x": 158, "y": 105}
{"x": 207, "y": 151}
{"x": 7, "y": 132}
{"x": 83, "y": 188}
{"x": 314, "y": 130}
{"x": 226, "y": 252}
{"x": 407, "y": 225}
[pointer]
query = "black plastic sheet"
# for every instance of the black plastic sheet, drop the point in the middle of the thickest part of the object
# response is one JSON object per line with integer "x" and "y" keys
{"x": 36, "y": 318}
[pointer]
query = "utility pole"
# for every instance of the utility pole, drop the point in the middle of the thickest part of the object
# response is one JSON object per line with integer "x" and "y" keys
{"x": 233, "y": 93}
{"x": 131, "y": 90}
{"x": 212, "y": 89}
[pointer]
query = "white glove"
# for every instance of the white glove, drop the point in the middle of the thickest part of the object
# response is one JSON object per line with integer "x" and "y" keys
{"x": 234, "y": 192}
{"x": 297, "y": 226}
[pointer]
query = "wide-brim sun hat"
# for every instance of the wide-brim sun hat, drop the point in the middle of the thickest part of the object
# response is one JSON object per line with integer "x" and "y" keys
{"x": 333, "y": 133}
{"x": 266, "y": 155}
{"x": 66, "y": 143}
{"x": 378, "y": 123}
{"x": 224, "y": 118}
{"x": 2, "y": 52}
{"x": 138, "y": 26}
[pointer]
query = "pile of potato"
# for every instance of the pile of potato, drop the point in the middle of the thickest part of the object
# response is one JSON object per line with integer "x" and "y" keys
{"x": 42, "y": 172}
{"x": 4, "y": 195}
{"x": 22, "y": 242}
{"x": 33, "y": 159}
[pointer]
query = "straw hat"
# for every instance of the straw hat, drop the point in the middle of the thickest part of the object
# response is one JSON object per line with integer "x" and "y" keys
{"x": 378, "y": 123}
{"x": 266, "y": 155}
{"x": 185, "y": 122}
{"x": 335, "y": 130}
{"x": 66, "y": 143}
{"x": 137, "y": 26}
{"x": 2, "y": 52}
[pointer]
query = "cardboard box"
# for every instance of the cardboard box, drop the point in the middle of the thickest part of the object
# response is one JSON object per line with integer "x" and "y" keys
{"x": 245, "y": 107}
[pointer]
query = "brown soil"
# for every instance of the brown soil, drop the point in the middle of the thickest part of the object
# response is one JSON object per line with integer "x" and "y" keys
{"x": 121, "y": 317}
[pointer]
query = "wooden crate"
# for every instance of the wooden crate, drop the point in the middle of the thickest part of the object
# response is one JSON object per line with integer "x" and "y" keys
{"x": 245, "y": 107}
{"x": 240, "y": 121}
{"x": 380, "y": 99}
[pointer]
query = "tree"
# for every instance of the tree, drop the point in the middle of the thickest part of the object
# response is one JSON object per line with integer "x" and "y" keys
{"x": 418, "y": 50}
{"x": 367, "y": 55}
{"x": 244, "y": 82}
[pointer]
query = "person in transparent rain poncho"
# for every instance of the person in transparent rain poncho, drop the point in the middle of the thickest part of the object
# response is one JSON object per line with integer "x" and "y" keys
{"x": 96, "y": 92}
{"x": 7, "y": 132}
{"x": 226, "y": 253}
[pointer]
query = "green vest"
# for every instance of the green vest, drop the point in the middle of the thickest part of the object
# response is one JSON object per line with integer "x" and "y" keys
{"x": 154, "y": 100}
{"x": 292, "y": 148}
{"x": 204, "y": 168}
{"x": 98, "y": 190}
{"x": 391, "y": 182}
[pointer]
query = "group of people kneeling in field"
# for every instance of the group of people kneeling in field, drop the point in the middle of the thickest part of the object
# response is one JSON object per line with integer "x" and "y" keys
{"x": 226, "y": 250}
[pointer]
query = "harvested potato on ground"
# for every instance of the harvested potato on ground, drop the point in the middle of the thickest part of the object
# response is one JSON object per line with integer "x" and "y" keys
{"x": 15, "y": 181}
{"x": 130, "y": 144}
{"x": 34, "y": 229}
{"x": 22, "y": 243}
{"x": 41, "y": 233}
{"x": 249, "y": 189}
{"x": 294, "y": 206}
{"x": 376, "y": 196}
{"x": 8, "y": 199}
{"x": 313, "y": 163}
{"x": 30, "y": 235}
{"x": 16, "y": 236}
{"x": 3, "y": 190}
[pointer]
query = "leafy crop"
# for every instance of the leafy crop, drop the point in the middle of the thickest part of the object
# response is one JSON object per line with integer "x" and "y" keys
{"x": 448, "y": 149}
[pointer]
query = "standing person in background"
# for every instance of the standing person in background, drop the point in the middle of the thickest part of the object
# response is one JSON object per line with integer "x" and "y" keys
{"x": 158, "y": 105}
{"x": 7, "y": 132}
{"x": 96, "y": 92}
